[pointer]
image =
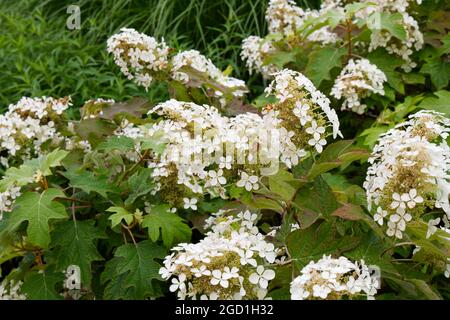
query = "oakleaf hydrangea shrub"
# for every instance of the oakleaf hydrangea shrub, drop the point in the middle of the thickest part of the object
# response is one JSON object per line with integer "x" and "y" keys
{"x": 218, "y": 193}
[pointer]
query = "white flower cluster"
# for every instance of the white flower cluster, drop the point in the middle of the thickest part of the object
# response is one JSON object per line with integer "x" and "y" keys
{"x": 139, "y": 56}
{"x": 143, "y": 58}
{"x": 10, "y": 290}
{"x": 358, "y": 80}
{"x": 334, "y": 279}
{"x": 383, "y": 38}
{"x": 302, "y": 109}
{"x": 229, "y": 263}
{"x": 409, "y": 171}
{"x": 206, "y": 152}
{"x": 283, "y": 17}
{"x": 254, "y": 51}
{"x": 28, "y": 125}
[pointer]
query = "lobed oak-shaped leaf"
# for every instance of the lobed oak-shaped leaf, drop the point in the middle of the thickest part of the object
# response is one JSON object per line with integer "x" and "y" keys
{"x": 320, "y": 239}
{"x": 119, "y": 215}
{"x": 38, "y": 209}
{"x": 74, "y": 243}
{"x": 321, "y": 62}
{"x": 130, "y": 274}
{"x": 89, "y": 182}
{"x": 40, "y": 285}
{"x": 173, "y": 228}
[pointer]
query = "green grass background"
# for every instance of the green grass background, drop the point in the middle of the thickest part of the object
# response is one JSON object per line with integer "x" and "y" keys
{"x": 40, "y": 56}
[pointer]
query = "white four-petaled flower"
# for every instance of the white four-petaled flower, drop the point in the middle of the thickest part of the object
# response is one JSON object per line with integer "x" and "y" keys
{"x": 219, "y": 278}
{"x": 249, "y": 182}
{"x": 380, "y": 215}
{"x": 178, "y": 283}
{"x": 262, "y": 276}
{"x": 190, "y": 203}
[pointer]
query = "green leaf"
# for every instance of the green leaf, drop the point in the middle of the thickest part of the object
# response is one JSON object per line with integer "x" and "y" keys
{"x": 284, "y": 184}
{"x": 120, "y": 143}
{"x": 349, "y": 212}
{"x": 263, "y": 100}
{"x": 116, "y": 288}
{"x": 321, "y": 62}
{"x": 133, "y": 268}
{"x": 437, "y": 245}
{"x": 400, "y": 111}
{"x": 140, "y": 184}
{"x": 334, "y": 17}
{"x": 344, "y": 191}
{"x": 311, "y": 244}
{"x": 392, "y": 22}
{"x": 135, "y": 107}
{"x": 425, "y": 289}
{"x": 316, "y": 197}
{"x": 17, "y": 176}
{"x": 41, "y": 285}
{"x": 413, "y": 78}
{"x": 352, "y": 8}
{"x": 440, "y": 104}
{"x": 439, "y": 71}
{"x": 354, "y": 212}
{"x": 38, "y": 209}
{"x": 388, "y": 63}
{"x": 156, "y": 142}
{"x": 178, "y": 91}
{"x": 261, "y": 203}
{"x": 88, "y": 182}
{"x": 370, "y": 249}
{"x": 279, "y": 287}
{"x": 335, "y": 155}
{"x": 74, "y": 243}
{"x": 24, "y": 174}
{"x": 236, "y": 192}
{"x": 173, "y": 228}
{"x": 119, "y": 215}
{"x": 9, "y": 253}
{"x": 282, "y": 58}
{"x": 445, "y": 48}
{"x": 94, "y": 130}
{"x": 372, "y": 134}
{"x": 53, "y": 159}
{"x": 415, "y": 289}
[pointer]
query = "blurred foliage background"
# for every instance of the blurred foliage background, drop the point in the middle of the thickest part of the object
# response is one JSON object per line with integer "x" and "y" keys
{"x": 39, "y": 55}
